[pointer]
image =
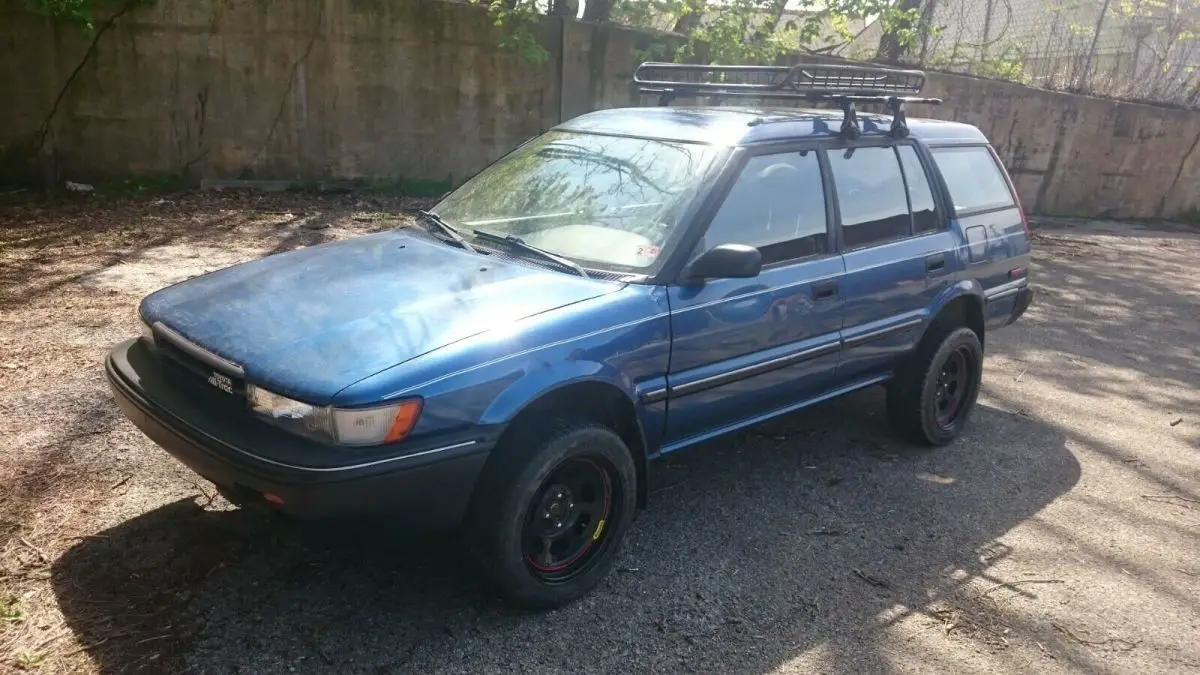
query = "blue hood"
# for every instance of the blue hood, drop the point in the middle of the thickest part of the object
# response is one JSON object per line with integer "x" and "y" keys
{"x": 311, "y": 322}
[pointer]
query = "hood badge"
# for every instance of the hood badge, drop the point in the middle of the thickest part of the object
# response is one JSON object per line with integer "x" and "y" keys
{"x": 222, "y": 382}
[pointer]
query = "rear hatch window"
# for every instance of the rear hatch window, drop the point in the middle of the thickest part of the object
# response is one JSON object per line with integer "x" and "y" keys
{"x": 975, "y": 180}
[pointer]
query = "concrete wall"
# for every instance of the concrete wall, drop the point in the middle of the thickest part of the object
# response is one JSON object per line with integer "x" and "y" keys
{"x": 405, "y": 89}
{"x": 1076, "y": 155}
{"x": 298, "y": 89}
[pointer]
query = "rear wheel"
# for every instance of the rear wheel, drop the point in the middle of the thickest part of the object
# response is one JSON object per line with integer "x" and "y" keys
{"x": 550, "y": 512}
{"x": 932, "y": 395}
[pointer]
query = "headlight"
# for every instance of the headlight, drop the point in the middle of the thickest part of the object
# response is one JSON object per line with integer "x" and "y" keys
{"x": 343, "y": 426}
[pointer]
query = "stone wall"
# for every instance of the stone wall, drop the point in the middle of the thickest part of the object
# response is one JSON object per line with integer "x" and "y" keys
{"x": 253, "y": 89}
{"x": 409, "y": 89}
{"x": 1082, "y": 156}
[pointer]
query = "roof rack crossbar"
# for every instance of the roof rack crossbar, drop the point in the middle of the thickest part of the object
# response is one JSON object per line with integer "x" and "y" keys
{"x": 842, "y": 85}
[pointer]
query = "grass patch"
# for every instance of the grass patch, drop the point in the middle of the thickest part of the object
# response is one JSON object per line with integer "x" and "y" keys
{"x": 1189, "y": 216}
{"x": 383, "y": 187}
{"x": 144, "y": 184}
{"x": 10, "y": 610}
{"x": 27, "y": 660}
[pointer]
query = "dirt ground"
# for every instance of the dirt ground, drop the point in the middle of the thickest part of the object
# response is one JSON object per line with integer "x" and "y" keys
{"x": 1059, "y": 535}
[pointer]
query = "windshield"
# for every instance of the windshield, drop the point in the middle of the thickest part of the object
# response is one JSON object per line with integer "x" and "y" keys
{"x": 604, "y": 201}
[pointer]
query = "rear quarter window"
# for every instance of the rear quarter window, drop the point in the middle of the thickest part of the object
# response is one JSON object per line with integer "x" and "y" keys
{"x": 976, "y": 182}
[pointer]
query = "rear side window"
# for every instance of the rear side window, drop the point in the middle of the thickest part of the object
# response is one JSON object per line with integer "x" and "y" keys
{"x": 973, "y": 177}
{"x": 871, "y": 195}
{"x": 777, "y": 205}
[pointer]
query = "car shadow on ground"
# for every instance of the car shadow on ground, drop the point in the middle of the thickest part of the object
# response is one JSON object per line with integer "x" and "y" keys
{"x": 814, "y": 532}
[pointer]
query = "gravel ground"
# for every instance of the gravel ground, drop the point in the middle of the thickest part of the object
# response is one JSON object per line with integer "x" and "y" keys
{"x": 1058, "y": 535}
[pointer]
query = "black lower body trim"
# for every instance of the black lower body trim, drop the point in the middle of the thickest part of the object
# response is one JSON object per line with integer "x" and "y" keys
{"x": 881, "y": 333}
{"x": 755, "y": 369}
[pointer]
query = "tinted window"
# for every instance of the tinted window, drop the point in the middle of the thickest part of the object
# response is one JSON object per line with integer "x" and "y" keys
{"x": 973, "y": 177}
{"x": 919, "y": 195}
{"x": 870, "y": 190}
{"x": 776, "y": 205}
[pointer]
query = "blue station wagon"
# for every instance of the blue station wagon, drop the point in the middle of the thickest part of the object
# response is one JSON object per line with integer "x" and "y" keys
{"x": 625, "y": 285}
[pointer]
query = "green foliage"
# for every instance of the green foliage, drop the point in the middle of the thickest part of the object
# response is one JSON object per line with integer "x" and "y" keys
{"x": 731, "y": 31}
{"x": 1191, "y": 216}
{"x": 519, "y": 20}
{"x": 905, "y": 25}
{"x": 760, "y": 31}
{"x": 147, "y": 183}
{"x": 79, "y": 12}
{"x": 655, "y": 51}
{"x": 384, "y": 186}
{"x": 652, "y": 14}
{"x": 27, "y": 660}
{"x": 10, "y": 610}
{"x": 1008, "y": 64}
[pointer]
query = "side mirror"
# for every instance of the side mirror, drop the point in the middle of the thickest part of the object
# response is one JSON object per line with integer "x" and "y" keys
{"x": 727, "y": 261}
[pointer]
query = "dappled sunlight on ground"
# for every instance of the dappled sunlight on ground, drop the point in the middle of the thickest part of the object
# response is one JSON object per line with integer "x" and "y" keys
{"x": 1058, "y": 535}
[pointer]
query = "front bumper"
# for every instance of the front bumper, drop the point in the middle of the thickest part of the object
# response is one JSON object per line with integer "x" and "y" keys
{"x": 428, "y": 484}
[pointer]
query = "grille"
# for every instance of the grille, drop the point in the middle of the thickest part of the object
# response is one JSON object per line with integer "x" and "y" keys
{"x": 201, "y": 371}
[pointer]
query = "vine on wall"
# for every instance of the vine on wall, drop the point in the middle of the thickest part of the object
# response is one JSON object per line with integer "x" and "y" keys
{"x": 80, "y": 13}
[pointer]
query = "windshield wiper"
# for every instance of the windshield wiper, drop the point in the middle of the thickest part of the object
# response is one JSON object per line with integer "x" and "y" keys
{"x": 517, "y": 242}
{"x": 445, "y": 228}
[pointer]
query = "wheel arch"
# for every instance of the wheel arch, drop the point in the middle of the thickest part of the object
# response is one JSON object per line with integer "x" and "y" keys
{"x": 961, "y": 304}
{"x": 595, "y": 398}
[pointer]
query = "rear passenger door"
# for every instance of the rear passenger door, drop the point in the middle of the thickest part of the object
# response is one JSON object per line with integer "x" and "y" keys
{"x": 743, "y": 348}
{"x": 897, "y": 250}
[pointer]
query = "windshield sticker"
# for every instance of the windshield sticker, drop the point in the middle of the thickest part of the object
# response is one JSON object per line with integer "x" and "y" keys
{"x": 648, "y": 251}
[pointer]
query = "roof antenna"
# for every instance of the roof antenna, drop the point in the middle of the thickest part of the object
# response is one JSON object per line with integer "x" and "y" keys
{"x": 850, "y": 129}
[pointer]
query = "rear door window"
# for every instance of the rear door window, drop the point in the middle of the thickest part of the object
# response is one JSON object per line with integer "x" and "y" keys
{"x": 871, "y": 195}
{"x": 920, "y": 196}
{"x": 974, "y": 179}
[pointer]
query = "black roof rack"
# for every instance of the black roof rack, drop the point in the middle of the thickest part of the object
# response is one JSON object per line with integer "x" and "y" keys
{"x": 844, "y": 85}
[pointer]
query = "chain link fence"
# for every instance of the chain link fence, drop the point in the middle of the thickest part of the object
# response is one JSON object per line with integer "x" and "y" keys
{"x": 1130, "y": 49}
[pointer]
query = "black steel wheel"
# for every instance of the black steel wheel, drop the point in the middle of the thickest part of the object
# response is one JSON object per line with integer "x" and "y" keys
{"x": 550, "y": 511}
{"x": 931, "y": 396}
{"x": 565, "y": 527}
{"x": 953, "y": 384}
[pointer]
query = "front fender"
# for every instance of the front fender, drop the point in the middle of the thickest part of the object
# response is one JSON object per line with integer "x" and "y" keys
{"x": 547, "y": 378}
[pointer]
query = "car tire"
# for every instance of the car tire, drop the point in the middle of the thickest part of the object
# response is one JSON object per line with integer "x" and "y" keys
{"x": 550, "y": 512}
{"x": 931, "y": 397}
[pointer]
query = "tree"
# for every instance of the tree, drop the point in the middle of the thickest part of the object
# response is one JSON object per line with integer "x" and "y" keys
{"x": 564, "y": 8}
{"x": 731, "y": 31}
{"x": 597, "y": 10}
{"x": 896, "y": 41}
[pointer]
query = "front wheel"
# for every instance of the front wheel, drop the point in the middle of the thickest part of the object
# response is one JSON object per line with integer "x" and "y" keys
{"x": 551, "y": 511}
{"x": 932, "y": 396}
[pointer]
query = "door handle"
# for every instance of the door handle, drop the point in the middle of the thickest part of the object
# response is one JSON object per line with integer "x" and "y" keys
{"x": 825, "y": 290}
{"x": 935, "y": 262}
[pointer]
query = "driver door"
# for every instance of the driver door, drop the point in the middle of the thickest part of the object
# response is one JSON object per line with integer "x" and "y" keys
{"x": 746, "y": 348}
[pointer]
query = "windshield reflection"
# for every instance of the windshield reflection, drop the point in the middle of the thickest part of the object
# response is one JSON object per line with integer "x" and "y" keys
{"x": 606, "y": 201}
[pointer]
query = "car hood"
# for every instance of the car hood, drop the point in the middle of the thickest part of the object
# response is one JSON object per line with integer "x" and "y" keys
{"x": 311, "y": 322}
